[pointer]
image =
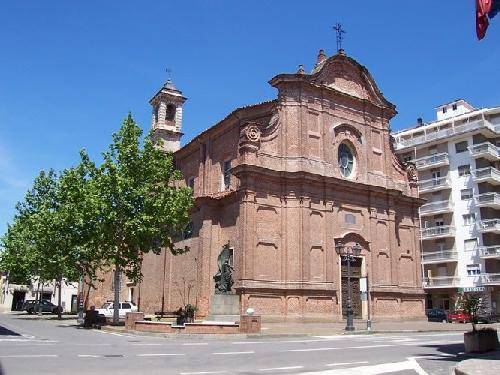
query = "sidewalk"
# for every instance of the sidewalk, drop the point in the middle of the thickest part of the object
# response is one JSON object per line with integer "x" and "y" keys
{"x": 488, "y": 364}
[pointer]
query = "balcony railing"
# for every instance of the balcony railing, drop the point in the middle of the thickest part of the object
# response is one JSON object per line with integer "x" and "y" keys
{"x": 488, "y": 174}
{"x": 440, "y": 256}
{"x": 444, "y": 133}
{"x": 489, "y": 251}
{"x": 436, "y": 207}
{"x": 484, "y": 150}
{"x": 437, "y": 232}
{"x": 489, "y": 225}
{"x": 441, "y": 281}
{"x": 490, "y": 278}
{"x": 488, "y": 200}
{"x": 432, "y": 161}
{"x": 434, "y": 184}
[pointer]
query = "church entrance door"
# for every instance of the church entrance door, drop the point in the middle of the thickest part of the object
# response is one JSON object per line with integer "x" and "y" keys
{"x": 356, "y": 294}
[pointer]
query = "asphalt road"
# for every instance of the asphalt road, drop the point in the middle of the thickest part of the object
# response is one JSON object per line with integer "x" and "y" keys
{"x": 29, "y": 346}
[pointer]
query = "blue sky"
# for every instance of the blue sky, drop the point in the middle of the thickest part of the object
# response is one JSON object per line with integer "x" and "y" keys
{"x": 70, "y": 71}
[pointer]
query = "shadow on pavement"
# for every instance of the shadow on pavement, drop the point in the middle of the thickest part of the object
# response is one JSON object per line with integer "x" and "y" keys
{"x": 7, "y": 332}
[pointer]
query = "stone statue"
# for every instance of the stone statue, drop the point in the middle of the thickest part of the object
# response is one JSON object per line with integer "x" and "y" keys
{"x": 224, "y": 278}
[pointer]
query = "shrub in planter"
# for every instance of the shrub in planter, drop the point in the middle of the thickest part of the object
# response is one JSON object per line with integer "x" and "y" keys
{"x": 191, "y": 311}
{"x": 477, "y": 341}
{"x": 481, "y": 340}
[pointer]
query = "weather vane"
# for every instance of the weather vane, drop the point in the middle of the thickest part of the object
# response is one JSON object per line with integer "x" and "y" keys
{"x": 339, "y": 30}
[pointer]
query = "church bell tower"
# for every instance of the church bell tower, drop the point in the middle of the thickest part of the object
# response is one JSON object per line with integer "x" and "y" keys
{"x": 167, "y": 116}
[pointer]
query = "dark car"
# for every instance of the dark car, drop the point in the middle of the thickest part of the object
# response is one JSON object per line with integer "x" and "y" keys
{"x": 436, "y": 315}
{"x": 487, "y": 317}
{"x": 33, "y": 306}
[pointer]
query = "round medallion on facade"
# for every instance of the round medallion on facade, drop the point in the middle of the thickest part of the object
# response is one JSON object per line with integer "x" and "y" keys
{"x": 345, "y": 160}
{"x": 253, "y": 133}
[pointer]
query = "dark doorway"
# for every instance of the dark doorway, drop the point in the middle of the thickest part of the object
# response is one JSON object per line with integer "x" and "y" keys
{"x": 18, "y": 300}
{"x": 74, "y": 303}
{"x": 356, "y": 294}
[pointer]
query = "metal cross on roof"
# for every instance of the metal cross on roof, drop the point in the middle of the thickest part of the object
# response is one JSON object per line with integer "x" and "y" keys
{"x": 339, "y": 30}
{"x": 169, "y": 73}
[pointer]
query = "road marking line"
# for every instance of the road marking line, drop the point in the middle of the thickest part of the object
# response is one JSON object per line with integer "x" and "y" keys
{"x": 233, "y": 353}
{"x": 339, "y": 348}
{"x": 416, "y": 366}
{"x": 88, "y": 356}
{"x": 345, "y": 363}
{"x": 144, "y": 344}
{"x": 203, "y": 372}
{"x": 30, "y": 356}
{"x": 194, "y": 343}
{"x": 251, "y": 342}
{"x": 159, "y": 354}
{"x": 281, "y": 368}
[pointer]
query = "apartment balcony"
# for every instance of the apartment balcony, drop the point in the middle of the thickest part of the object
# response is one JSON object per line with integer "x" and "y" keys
{"x": 489, "y": 226}
{"x": 488, "y": 200}
{"x": 485, "y": 150}
{"x": 440, "y": 231}
{"x": 489, "y": 252}
{"x": 490, "y": 278}
{"x": 441, "y": 282}
{"x": 434, "y": 184}
{"x": 488, "y": 174}
{"x": 440, "y": 257}
{"x": 432, "y": 161}
{"x": 432, "y": 135}
{"x": 434, "y": 208}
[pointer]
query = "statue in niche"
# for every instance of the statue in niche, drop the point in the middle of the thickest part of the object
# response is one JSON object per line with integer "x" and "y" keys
{"x": 224, "y": 277}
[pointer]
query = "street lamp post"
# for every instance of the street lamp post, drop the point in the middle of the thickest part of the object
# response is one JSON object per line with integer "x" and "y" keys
{"x": 349, "y": 253}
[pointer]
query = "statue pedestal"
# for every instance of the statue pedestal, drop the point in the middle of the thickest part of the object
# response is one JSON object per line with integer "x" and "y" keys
{"x": 224, "y": 308}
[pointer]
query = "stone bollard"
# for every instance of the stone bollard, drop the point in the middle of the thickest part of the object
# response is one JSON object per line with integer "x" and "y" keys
{"x": 131, "y": 318}
{"x": 250, "y": 324}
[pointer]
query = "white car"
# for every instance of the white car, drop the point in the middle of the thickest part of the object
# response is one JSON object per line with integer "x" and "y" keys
{"x": 125, "y": 307}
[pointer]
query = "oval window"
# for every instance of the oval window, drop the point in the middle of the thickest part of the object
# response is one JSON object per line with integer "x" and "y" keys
{"x": 346, "y": 160}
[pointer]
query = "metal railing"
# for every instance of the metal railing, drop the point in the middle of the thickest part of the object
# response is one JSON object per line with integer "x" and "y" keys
{"x": 443, "y": 133}
{"x": 436, "y": 206}
{"x": 438, "y": 231}
{"x": 483, "y": 148}
{"x": 490, "y": 278}
{"x": 429, "y": 161}
{"x": 489, "y": 251}
{"x": 445, "y": 255}
{"x": 488, "y": 172}
{"x": 434, "y": 183}
{"x": 488, "y": 225}
{"x": 487, "y": 199}
{"x": 440, "y": 281}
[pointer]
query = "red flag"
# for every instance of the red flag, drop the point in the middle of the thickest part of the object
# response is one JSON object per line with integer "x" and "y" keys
{"x": 482, "y": 9}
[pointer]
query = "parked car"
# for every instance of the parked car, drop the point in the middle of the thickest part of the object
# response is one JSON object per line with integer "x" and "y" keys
{"x": 436, "y": 315}
{"x": 107, "y": 309}
{"x": 458, "y": 316}
{"x": 33, "y": 306}
{"x": 487, "y": 317}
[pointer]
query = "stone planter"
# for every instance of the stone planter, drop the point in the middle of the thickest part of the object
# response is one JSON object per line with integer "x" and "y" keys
{"x": 481, "y": 341}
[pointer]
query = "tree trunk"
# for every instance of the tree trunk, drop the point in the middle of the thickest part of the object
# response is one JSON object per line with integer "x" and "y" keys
{"x": 116, "y": 303}
{"x": 59, "y": 304}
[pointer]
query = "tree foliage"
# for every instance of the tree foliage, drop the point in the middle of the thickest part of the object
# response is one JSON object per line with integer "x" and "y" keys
{"x": 91, "y": 218}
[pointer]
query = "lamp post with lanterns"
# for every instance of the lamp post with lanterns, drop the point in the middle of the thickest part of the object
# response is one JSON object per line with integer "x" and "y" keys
{"x": 349, "y": 254}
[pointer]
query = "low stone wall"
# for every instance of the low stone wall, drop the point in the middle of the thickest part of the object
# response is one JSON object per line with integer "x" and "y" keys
{"x": 190, "y": 328}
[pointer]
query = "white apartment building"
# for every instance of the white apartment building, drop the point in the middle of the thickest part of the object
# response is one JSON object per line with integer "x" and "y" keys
{"x": 458, "y": 163}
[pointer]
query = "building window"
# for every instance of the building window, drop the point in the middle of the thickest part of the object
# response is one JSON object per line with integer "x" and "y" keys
{"x": 473, "y": 269}
{"x": 191, "y": 183}
{"x": 170, "y": 112}
{"x": 407, "y": 158}
{"x": 440, "y": 245}
{"x": 345, "y": 160}
{"x": 464, "y": 170}
{"x": 466, "y": 194}
{"x": 470, "y": 244}
{"x": 444, "y": 109}
{"x": 454, "y": 107}
{"x": 350, "y": 219}
{"x": 226, "y": 174}
{"x": 469, "y": 219}
{"x": 432, "y": 150}
{"x": 461, "y": 147}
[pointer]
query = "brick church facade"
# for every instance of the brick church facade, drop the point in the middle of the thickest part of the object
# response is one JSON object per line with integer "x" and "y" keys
{"x": 281, "y": 181}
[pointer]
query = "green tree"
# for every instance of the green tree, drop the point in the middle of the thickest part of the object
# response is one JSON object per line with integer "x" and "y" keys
{"x": 140, "y": 203}
{"x": 472, "y": 303}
